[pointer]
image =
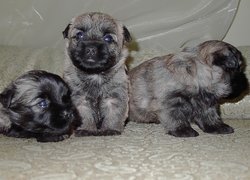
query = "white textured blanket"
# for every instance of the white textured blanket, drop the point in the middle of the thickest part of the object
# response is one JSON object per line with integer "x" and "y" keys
{"x": 141, "y": 152}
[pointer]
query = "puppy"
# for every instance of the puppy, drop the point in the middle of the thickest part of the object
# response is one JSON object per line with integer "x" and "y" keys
{"x": 95, "y": 71}
{"x": 178, "y": 89}
{"x": 37, "y": 104}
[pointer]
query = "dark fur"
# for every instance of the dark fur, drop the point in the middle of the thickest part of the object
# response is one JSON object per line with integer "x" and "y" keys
{"x": 182, "y": 88}
{"x": 230, "y": 64}
{"x": 95, "y": 72}
{"x": 25, "y": 114}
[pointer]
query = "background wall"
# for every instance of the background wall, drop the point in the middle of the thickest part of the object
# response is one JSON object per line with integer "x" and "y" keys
{"x": 239, "y": 32}
{"x": 158, "y": 24}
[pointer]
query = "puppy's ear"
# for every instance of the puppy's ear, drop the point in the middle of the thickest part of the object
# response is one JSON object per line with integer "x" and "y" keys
{"x": 126, "y": 34}
{"x": 6, "y": 97}
{"x": 66, "y": 31}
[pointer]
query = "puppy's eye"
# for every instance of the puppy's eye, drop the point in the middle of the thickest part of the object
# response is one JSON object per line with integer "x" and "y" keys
{"x": 108, "y": 38}
{"x": 43, "y": 104}
{"x": 80, "y": 35}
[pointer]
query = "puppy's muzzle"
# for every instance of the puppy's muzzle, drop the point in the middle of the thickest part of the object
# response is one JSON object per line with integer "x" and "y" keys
{"x": 68, "y": 115}
{"x": 91, "y": 51}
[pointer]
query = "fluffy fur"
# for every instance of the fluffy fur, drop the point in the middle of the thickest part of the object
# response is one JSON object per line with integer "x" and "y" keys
{"x": 37, "y": 104}
{"x": 186, "y": 87}
{"x": 95, "y": 72}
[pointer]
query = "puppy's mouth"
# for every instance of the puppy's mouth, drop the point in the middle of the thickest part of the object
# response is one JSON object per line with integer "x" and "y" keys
{"x": 90, "y": 60}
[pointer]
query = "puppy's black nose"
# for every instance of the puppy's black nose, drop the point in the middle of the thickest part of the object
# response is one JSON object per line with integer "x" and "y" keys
{"x": 67, "y": 114}
{"x": 91, "y": 50}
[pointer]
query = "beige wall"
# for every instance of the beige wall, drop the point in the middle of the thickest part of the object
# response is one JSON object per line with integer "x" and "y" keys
{"x": 239, "y": 33}
{"x": 35, "y": 23}
{"x": 158, "y": 24}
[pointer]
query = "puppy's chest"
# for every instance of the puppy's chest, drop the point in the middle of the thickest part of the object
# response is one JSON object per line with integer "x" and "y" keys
{"x": 93, "y": 86}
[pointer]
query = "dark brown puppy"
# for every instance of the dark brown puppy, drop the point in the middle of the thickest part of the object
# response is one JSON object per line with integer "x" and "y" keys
{"x": 178, "y": 89}
{"x": 37, "y": 104}
{"x": 95, "y": 72}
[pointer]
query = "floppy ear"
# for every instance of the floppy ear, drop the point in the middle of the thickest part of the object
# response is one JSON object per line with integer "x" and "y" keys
{"x": 126, "y": 34}
{"x": 6, "y": 97}
{"x": 66, "y": 31}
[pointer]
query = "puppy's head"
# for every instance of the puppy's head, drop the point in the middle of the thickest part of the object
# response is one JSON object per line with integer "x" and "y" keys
{"x": 230, "y": 60}
{"x": 39, "y": 102}
{"x": 95, "y": 42}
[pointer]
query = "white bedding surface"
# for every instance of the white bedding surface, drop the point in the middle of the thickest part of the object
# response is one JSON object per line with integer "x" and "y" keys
{"x": 143, "y": 151}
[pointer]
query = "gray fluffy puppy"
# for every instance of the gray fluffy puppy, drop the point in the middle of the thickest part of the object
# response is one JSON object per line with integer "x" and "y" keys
{"x": 37, "y": 105}
{"x": 95, "y": 72}
{"x": 181, "y": 88}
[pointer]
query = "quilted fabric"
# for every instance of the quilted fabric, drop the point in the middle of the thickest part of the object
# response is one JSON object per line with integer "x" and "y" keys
{"x": 141, "y": 152}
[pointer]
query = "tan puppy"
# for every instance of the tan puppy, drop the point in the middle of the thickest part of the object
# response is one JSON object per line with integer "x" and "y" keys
{"x": 178, "y": 89}
{"x": 95, "y": 72}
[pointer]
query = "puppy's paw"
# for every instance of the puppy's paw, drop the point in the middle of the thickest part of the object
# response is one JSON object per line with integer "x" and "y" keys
{"x": 218, "y": 129}
{"x": 79, "y": 133}
{"x": 109, "y": 132}
{"x": 183, "y": 132}
{"x": 18, "y": 132}
{"x": 51, "y": 138}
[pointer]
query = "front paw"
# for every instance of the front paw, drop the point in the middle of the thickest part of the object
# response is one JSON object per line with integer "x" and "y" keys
{"x": 51, "y": 138}
{"x": 218, "y": 129}
{"x": 109, "y": 132}
{"x": 79, "y": 133}
{"x": 18, "y": 132}
{"x": 183, "y": 132}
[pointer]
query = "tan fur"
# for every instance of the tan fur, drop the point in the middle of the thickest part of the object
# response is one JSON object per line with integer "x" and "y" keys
{"x": 180, "y": 88}
{"x": 100, "y": 97}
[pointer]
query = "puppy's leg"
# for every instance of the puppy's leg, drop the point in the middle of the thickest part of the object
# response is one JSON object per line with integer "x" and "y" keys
{"x": 176, "y": 115}
{"x": 141, "y": 115}
{"x": 88, "y": 124}
{"x": 114, "y": 111}
{"x": 5, "y": 123}
{"x": 18, "y": 132}
{"x": 210, "y": 122}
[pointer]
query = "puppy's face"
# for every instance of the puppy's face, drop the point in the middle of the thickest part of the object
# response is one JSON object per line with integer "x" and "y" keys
{"x": 39, "y": 102}
{"x": 95, "y": 42}
{"x": 230, "y": 59}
